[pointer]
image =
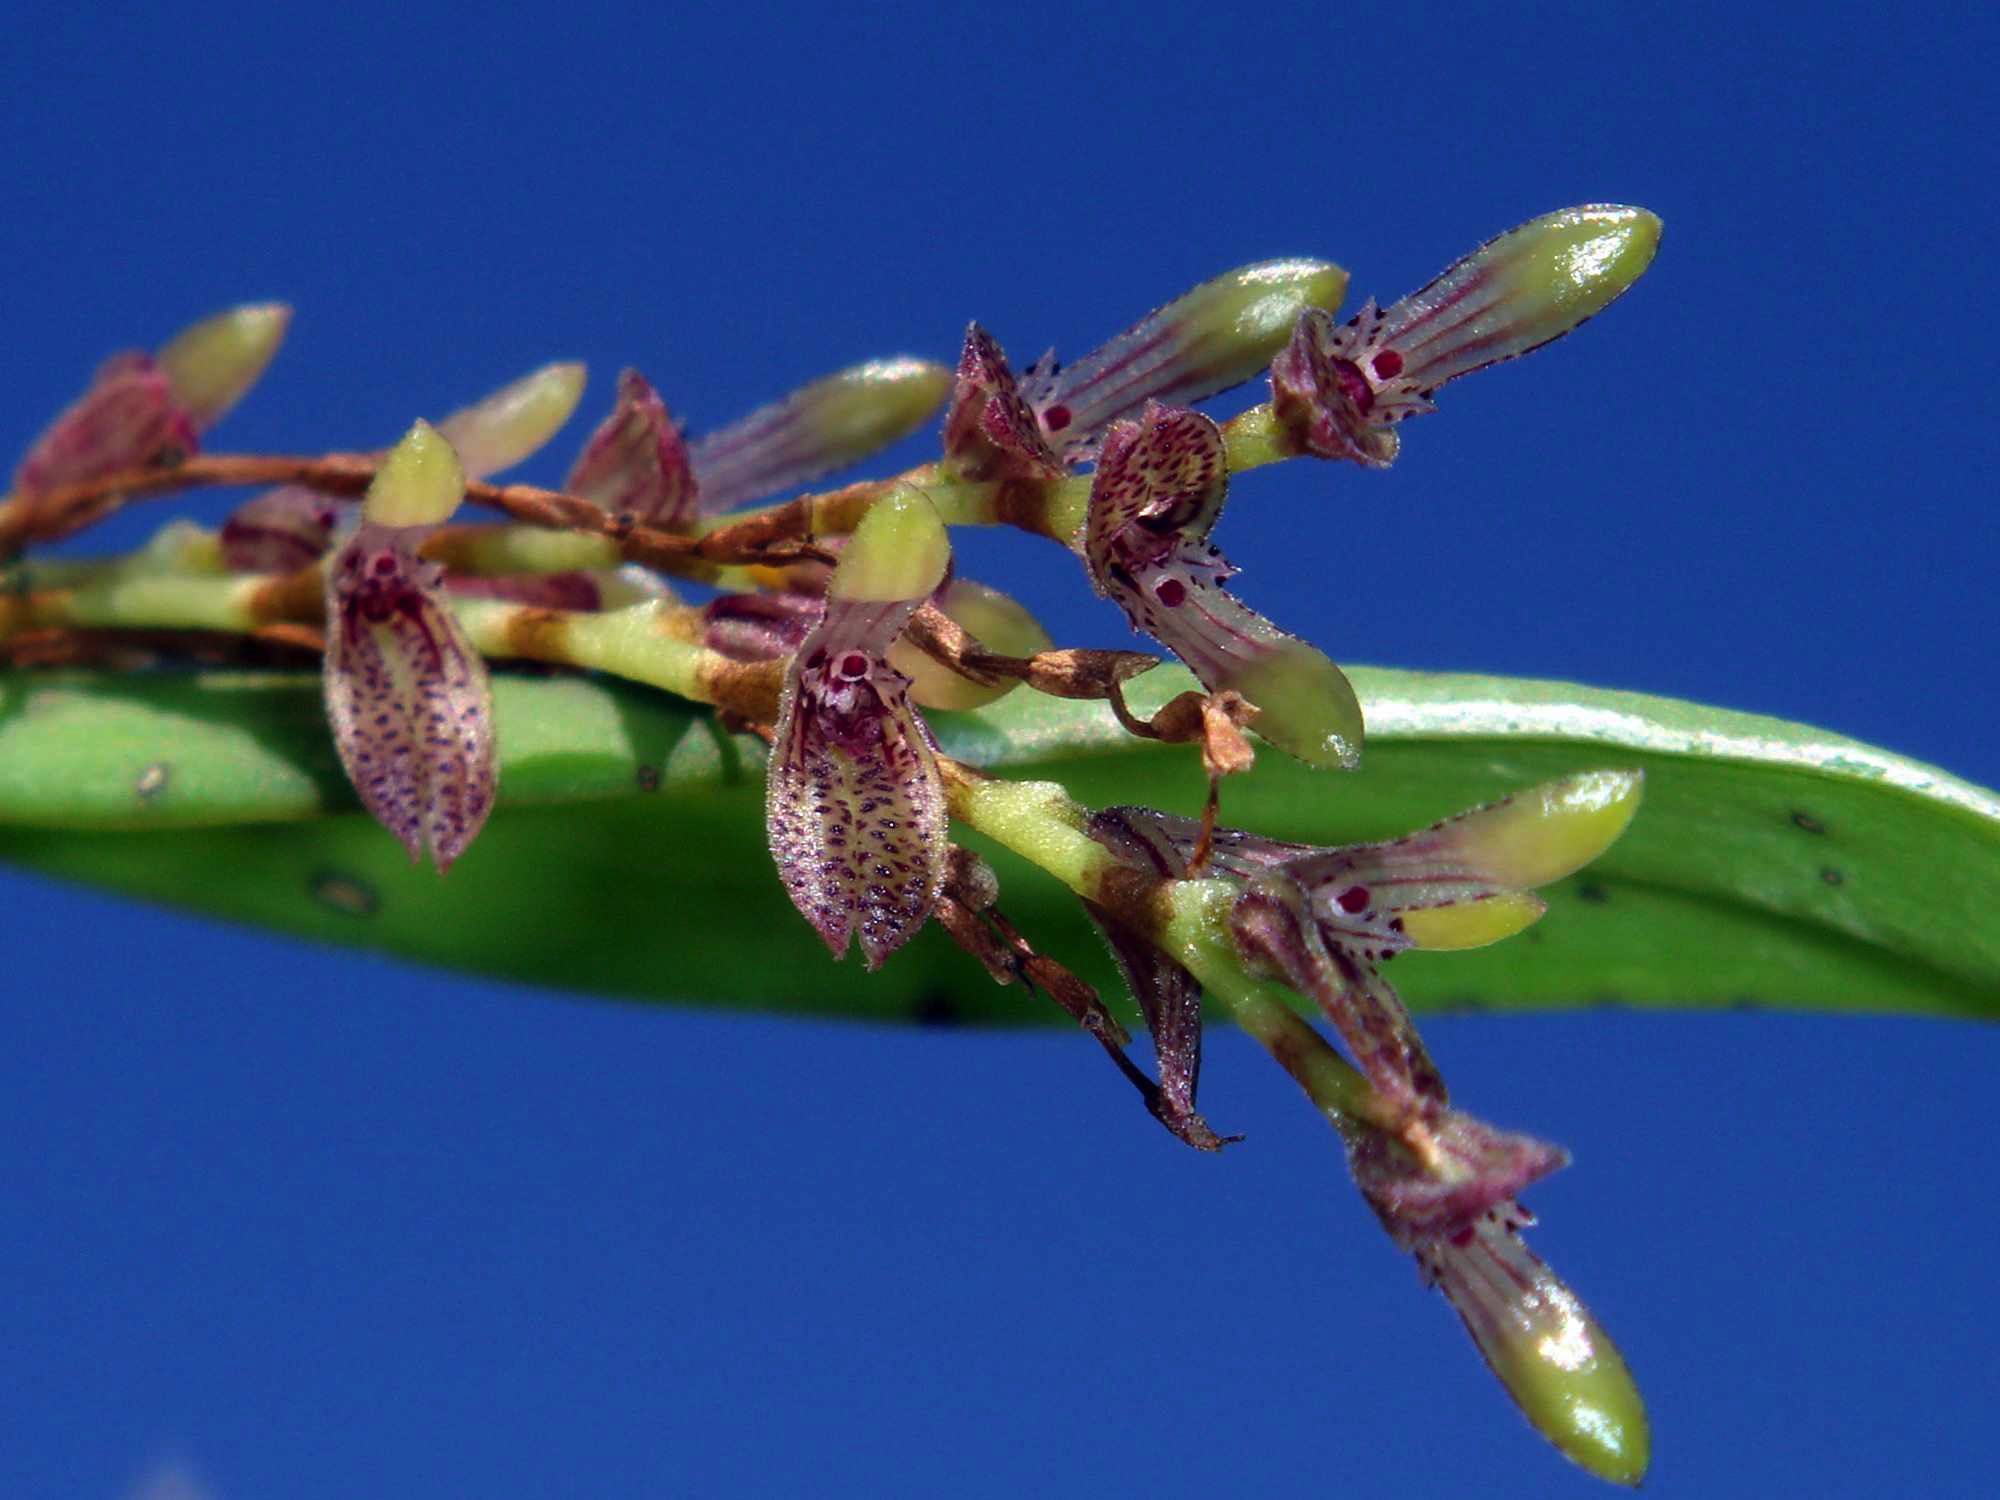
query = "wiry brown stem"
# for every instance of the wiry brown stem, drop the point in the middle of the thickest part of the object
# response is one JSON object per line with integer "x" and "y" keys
{"x": 772, "y": 538}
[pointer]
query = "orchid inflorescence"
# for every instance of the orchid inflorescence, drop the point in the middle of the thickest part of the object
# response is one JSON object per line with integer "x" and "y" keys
{"x": 837, "y": 618}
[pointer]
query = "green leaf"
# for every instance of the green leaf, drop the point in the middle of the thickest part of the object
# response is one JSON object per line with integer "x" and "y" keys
{"x": 1771, "y": 864}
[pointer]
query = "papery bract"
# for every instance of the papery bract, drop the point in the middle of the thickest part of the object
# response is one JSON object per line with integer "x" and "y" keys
{"x": 1159, "y": 486}
{"x": 406, "y": 693}
{"x": 128, "y": 419}
{"x": 1339, "y": 389}
{"x": 635, "y": 461}
{"x": 854, "y": 804}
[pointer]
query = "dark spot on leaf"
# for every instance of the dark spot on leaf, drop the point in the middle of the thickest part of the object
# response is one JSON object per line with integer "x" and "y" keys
{"x": 648, "y": 778}
{"x": 1832, "y": 876}
{"x": 152, "y": 781}
{"x": 1592, "y": 892}
{"x": 345, "y": 894}
{"x": 936, "y": 1008}
{"x": 1807, "y": 822}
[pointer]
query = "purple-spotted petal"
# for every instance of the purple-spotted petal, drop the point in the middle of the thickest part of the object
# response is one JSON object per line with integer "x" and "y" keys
{"x": 990, "y": 433}
{"x": 128, "y": 419}
{"x": 837, "y": 420}
{"x": 1275, "y": 929}
{"x": 1159, "y": 486}
{"x": 279, "y": 531}
{"x": 407, "y": 696}
{"x": 854, "y": 804}
{"x": 1321, "y": 395}
{"x": 636, "y": 461}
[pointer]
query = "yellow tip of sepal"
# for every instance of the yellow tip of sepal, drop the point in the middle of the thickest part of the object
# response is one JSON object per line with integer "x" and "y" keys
{"x": 1473, "y": 924}
{"x": 212, "y": 363}
{"x": 420, "y": 483}
{"x": 1550, "y": 830}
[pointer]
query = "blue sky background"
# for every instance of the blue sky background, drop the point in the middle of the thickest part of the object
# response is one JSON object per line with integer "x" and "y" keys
{"x": 314, "y": 1225}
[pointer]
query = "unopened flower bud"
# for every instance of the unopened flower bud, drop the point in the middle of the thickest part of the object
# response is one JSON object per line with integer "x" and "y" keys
{"x": 837, "y": 420}
{"x": 211, "y": 364}
{"x": 500, "y": 430}
{"x": 635, "y": 462}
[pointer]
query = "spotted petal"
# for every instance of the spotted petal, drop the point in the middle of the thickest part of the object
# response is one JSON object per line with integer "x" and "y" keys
{"x": 855, "y": 807}
{"x": 1158, "y": 489}
{"x": 636, "y": 461}
{"x": 407, "y": 696}
{"x": 990, "y": 433}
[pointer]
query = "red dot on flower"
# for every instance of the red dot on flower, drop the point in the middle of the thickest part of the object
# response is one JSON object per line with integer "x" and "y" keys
{"x": 1388, "y": 364}
{"x": 1354, "y": 899}
{"x": 1171, "y": 592}
{"x": 854, "y": 666}
{"x": 1056, "y": 418}
{"x": 385, "y": 563}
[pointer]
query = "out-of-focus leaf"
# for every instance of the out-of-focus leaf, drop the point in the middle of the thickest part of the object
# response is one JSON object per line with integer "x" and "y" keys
{"x": 1771, "y": 864}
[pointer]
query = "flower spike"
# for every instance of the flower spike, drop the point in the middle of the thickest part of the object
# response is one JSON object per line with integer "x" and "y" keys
{"x": 635, "y": 461}
{"x": 1340, "y": 390}
{"x": 407, "y": 695}
{"x": 837, "y": 420}
{"x": 1159, "y": 486}
{"x": 854, "y": 804}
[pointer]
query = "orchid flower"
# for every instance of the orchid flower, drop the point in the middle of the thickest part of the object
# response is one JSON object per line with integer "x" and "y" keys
{"x": 406, "y": 693}
{"x": 854, "y": 804}
{"x": 1037, "y": 426}
{"x": 1340, "y": 390}
{"x": 143, "y": 410}
{"x": 1157, "y": 492}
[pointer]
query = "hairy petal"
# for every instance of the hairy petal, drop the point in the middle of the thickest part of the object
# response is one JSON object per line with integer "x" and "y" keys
{"x": 407, "y": 696}
{"x": 130, "y": 418}
{"x": 990, "y": 432}
{"x": 854, "y": 804}
{"x": 837, "y": 420}
{"x": 636, "y": 462}
{"x": 1159, "y": 487}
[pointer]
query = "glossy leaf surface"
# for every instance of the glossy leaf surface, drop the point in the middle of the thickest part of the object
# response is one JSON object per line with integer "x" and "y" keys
{"x": 1770, "y": 864}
